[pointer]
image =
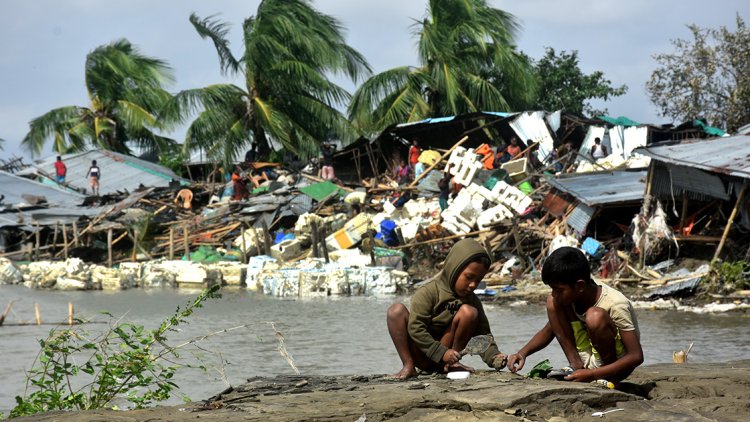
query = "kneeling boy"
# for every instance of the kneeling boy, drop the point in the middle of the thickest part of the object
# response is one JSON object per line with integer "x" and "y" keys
{"x": 594, "y": 323}
{"x": 445, "y": 313}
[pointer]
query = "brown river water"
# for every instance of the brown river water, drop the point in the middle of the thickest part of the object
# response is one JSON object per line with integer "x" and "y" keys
{"x": 325, "y": 336}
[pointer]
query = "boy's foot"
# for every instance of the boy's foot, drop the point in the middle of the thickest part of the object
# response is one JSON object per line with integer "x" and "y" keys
{"x": 405, "y": 373}
{"x": 457, "y": 367}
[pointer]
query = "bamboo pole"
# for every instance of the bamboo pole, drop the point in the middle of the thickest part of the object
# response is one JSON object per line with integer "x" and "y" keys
{"x": 37, "y": 241}
{"x": 735, "y": 210}
{"x": 244, "y": 242}
{"x": 266, "y": 238}
{"x": 171, "y": 242}
{"x": 37, "y": 314}
{"x": 186, "y": 240}
{"x": 75, "y": 234}
{"x": 442, "y": 239}
{"x": 134, "y": 254}
{"x": 65, "y": 241}
{"x": 54, "y": 236}
{"x": 430, "y": 168}
{"x": 6, "y": 312}
{"x": 109, "y": 248}
{"x": 70, "y": 313}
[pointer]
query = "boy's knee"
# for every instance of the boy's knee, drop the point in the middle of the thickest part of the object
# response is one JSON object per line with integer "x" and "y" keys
{"x": 598, "y": 319}
{"x": 467, "y": 312}
{"x": 397, "y": 311}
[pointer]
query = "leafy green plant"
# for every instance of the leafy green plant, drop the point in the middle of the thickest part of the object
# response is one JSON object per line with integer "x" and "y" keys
{"x": 75, "y": 371}
{"x": 726, "y": 277}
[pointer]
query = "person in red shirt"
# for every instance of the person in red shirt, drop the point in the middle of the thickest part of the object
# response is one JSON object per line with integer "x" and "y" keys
{"x": 414, "y": 152}
{"x": 60, "y": 170}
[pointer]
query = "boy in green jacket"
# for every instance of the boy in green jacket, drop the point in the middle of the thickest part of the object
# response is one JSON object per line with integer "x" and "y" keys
{"x": 445, "y": 313}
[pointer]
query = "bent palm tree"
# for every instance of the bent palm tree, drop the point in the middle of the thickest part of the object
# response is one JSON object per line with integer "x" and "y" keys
{"x": 289, "y": 50}
{"x": 125, "y": 90}
{"x": 468, "y": 62}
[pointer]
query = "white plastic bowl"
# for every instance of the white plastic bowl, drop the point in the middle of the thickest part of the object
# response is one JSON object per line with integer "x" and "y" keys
{"x": 458, "y": 375}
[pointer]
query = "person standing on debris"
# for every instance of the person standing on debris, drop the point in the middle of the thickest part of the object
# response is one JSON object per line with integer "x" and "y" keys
{"x": 444, "y": 314}
{"x": 513, "y": 149}
{"x": 239, "y": 183}
{"x": 414, "y": 152}
{"x": 94, "y": 174}
{"x": 598, "y": 150}
{"x": 595, "y": 324}
{"x": 402, "y": 172}
{"x": 328, "y": 150}
{"x": 251, "y": 154}
{"x": 60, "y": 170}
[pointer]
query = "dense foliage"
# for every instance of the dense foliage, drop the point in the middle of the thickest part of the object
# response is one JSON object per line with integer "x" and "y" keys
{"x": 290, "y": 51}
{"x": 468, "y": 62}
{"x": 561, "y": 85}
{"x": 706, "y": 77}
{"x": 126, "y": 90}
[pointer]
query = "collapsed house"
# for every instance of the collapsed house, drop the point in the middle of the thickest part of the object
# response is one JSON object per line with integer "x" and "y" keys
{"x": 701, "y": 185}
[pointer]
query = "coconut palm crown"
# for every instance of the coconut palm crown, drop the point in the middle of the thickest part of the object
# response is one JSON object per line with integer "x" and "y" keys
{"x": 290, "y": 52}
{"x": 468, "y": 62}
{"x": 126, "y": 92}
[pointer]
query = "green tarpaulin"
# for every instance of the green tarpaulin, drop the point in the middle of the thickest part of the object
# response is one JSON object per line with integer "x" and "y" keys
{"x": 322, "y": 190}
{"x": 619, "y": 121}
{"x": 710, "y": 130}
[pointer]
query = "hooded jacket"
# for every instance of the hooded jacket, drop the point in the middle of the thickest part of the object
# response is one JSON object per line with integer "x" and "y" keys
{"x": 435, "y": 304}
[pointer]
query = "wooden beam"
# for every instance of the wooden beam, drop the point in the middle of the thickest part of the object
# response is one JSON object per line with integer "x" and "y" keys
{"x": 735, "y": 210}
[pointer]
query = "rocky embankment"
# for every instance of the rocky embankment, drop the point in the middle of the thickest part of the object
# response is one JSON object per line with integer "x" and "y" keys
{"x": 664, "y": 392}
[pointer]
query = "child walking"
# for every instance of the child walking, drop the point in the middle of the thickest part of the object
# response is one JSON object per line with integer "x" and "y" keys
{"x": 595, "y": 324}
{"x": 444, "y": 314}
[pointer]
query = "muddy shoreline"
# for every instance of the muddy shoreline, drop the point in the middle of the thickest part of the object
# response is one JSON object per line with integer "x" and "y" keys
{"x": 664, "y": 392}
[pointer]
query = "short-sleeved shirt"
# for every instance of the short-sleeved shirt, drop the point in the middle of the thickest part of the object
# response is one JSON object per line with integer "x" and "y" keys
{"x": 94, "y": 172}
{"x": 619, "y": 308}
{"x": 60, "y": 168}
{"x": 414, "y": 152}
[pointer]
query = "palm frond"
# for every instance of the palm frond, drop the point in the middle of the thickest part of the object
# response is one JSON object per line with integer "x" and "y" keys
{"x": 216, "y": 31}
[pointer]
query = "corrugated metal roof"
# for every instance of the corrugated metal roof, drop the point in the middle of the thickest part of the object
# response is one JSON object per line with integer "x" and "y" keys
{"x": 729, "y": 155}
{"x": 13, "y": 187}
{"x": 612, "y": 187}
{"x": 120, "y": 172}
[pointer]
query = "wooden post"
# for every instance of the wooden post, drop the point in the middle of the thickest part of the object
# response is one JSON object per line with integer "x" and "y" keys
{"x": 65, "y": 241}
{"x": 75, "y": 233}
{"x": 371, "y": 241}
{"x": 430, "y": 168}
{"x": 171, "y": 242}
{"x": 54, "y": 236}
{"x": 134, "y": 254}
{"x": 314, "y": 235}
{"x": 109, "y": 248}
{"x": 740, "y": 200}
{"x": 322, "y": 240}
{"x": 37, "y": 241}
{"x": 186, "y": 240}
{"x": 244, "y": 242}
{"x": 70, "y": 311}
{"x": 38, "y": 314}
{"x": 683, "y": 215}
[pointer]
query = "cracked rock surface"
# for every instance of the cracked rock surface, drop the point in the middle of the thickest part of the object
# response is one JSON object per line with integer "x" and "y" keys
{"x": 665, "y": 392}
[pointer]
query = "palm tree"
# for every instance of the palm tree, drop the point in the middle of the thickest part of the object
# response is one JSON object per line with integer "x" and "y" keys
{"x": 290, "y": 50}
{"x": 468, "y": 62}
{"x": 125, "y": 89}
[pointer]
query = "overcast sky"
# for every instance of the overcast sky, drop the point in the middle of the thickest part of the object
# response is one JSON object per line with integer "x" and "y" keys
{"x": 43, "y": 43}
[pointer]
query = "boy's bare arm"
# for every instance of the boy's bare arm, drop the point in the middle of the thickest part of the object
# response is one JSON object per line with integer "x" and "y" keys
{"x": 619, "y": 369}
{"x": 540, "y": 340}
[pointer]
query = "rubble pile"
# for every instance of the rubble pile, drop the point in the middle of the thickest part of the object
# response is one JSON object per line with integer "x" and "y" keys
{"x": 285, "y": 232}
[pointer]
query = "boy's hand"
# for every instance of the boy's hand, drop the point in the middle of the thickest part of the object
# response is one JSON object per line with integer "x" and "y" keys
{"x": 451, "y": 356}
{"x": 581, "y": 375}
{"x": 515, "y": 362}
{"x": 499, "y": 361}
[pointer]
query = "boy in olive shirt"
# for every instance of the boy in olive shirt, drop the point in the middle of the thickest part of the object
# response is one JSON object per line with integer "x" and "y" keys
{"x": 445, "y": 313}
{"x": 594, "y": 323}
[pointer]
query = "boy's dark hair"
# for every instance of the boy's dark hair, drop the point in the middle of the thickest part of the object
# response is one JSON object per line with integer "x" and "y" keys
{"x": 566, "y": 265}
{"x": 480, "y": 259}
